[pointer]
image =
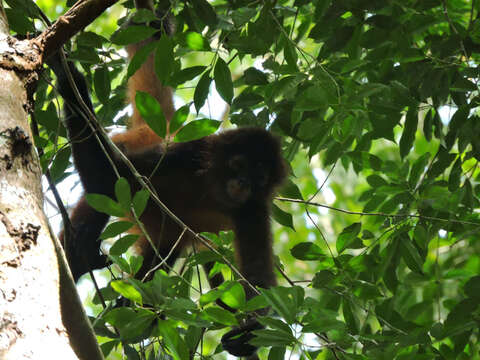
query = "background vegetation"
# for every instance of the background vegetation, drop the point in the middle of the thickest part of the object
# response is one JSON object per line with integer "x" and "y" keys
{"x": 377, "y": 105}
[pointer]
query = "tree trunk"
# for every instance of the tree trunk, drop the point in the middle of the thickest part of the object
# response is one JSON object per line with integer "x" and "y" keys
{"x": 41, "y": 316}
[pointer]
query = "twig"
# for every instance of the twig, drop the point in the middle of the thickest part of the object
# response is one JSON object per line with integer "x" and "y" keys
{"x": 81, "y": 14}
{"x": 378, "y": 214}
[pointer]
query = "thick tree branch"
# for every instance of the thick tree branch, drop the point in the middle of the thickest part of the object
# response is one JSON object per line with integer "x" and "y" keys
{"x": 74, "y": 20}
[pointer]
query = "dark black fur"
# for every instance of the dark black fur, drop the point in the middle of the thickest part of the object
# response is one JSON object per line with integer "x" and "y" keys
{"x": 195, "y": 181}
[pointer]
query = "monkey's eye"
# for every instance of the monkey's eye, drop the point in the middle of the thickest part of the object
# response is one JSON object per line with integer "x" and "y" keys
{"x": 237, "y": 163}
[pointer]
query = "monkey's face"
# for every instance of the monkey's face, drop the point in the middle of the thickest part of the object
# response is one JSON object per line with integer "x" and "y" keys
{"x": 246, "y": 166}
{"x": 245, "y": 179}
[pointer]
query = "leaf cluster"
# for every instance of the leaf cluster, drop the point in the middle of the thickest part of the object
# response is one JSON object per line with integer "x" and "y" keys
{"x": 386, "y": 94}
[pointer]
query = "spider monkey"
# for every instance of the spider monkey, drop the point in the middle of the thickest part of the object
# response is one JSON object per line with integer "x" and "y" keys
{"x": 220, "y": 182}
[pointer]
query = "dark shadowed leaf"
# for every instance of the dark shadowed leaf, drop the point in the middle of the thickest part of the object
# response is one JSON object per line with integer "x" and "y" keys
{"x": 101, "y": 82}
{"x": 164, "y": 58}
{"x": 223, "y": 80}
{"x": 179, "y": 118}
{"x": 282, "y": 217}
{"x": 409, "y": 131}
{"x": 132, "y": 34}
{"x": 201, "y": 91}
{"x": 307, "y": 251}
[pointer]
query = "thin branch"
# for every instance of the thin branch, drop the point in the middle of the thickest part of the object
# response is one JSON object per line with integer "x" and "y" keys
{"x": 377, "y": 214}
{"x": 81, "y": 14}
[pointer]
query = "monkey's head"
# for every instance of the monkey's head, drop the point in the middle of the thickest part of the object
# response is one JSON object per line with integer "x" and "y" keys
{"x": 247, "y": 166}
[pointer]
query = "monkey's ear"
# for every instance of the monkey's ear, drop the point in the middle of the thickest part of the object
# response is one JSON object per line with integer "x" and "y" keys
{"x": 236, "y": 340}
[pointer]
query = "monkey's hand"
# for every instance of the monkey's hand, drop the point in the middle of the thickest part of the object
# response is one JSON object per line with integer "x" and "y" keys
{"x": 236, "y": 340}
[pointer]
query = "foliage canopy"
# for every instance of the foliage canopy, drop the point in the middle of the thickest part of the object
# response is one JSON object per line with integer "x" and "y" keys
{"x": 382, "y": 94}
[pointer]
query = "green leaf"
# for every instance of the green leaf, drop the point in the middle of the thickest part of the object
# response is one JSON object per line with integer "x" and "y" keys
{"x": 205, "y": 12}
{"x": 376, "y": 181}
{"x": 201, "y": 91}
{"x": 374, "y": 203}
{"x": 285, "y": 300}
{"x": 366, "y": 291}
{"x": 175, "y": 344}
{"x": 120, "y": 262}
{"x": 243, "y": 15}
{"x": 455, "y": 176}
{"x": 197, "y": 129}
{"x": 60, "y": 163}
{"x": 196, "y": 41}
{"x": 282, "y": 217}
{"x": 140, "y": 201}
{"x": 348, "y": 236}
{"x": 123, "y": 194}
{"x": 48, "y": 118}
{"x": 291, "y": 190}
{"x": 220, "y": 316}
{"x": 256, "y": 303}
{"x": 101, "y": 83}
{"x": 275, "y": 324}
{"x": 132, "y": 34}
{"x": 223, "y": 80}
{"x": 314, "y": 98}
{"x": 457, "y": 121}
{"x": 409, "y": 131}
{"x": 307, "y": 251}
{"x": 370, "y": 89}
{"x": 123, "y": 244}
{"x": 130, "y": 352}
{"x": 418, "y": 168}
{"x": 322, "y": 278}
{"x": 120, "y": 316}
{"x": 444, "y": 159}
{"x": 268, "y": 337}
{"x": 277, "y": 352}
{"x": 115, "y": 229}
{"x": 254, "y": 76}
{"x": 290, "y": 53}
{"x": 179, "y": 117}
{"x": 472, "y": 287}
{"x": 410, "y": 254}
{"x": 349, "y": 316}
{"x": 19, "y": 21}
{"x": 142, "y": 16}
{"x": 233, "y": 295}
{"x": 107, "y": 347}
{"x": 136, "y": 263}
{"x": 151, "y": 111}
{"x": 209, "y": 297}
{"x": 185, "y": 75}
{"x": 104, "y": 204}
{"x": 88, "y": 38}
{"x": 137, "y": 329}
{"x": 428, "y": 125}
{"x": 140, "y": 57}
{"x": 126, "y": 290}
{"x": 164, "y": 60}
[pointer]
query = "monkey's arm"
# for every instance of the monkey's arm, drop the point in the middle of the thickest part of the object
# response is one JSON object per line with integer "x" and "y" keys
{"x": 89, "y": 152}
{"x": 253, "y": 242}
